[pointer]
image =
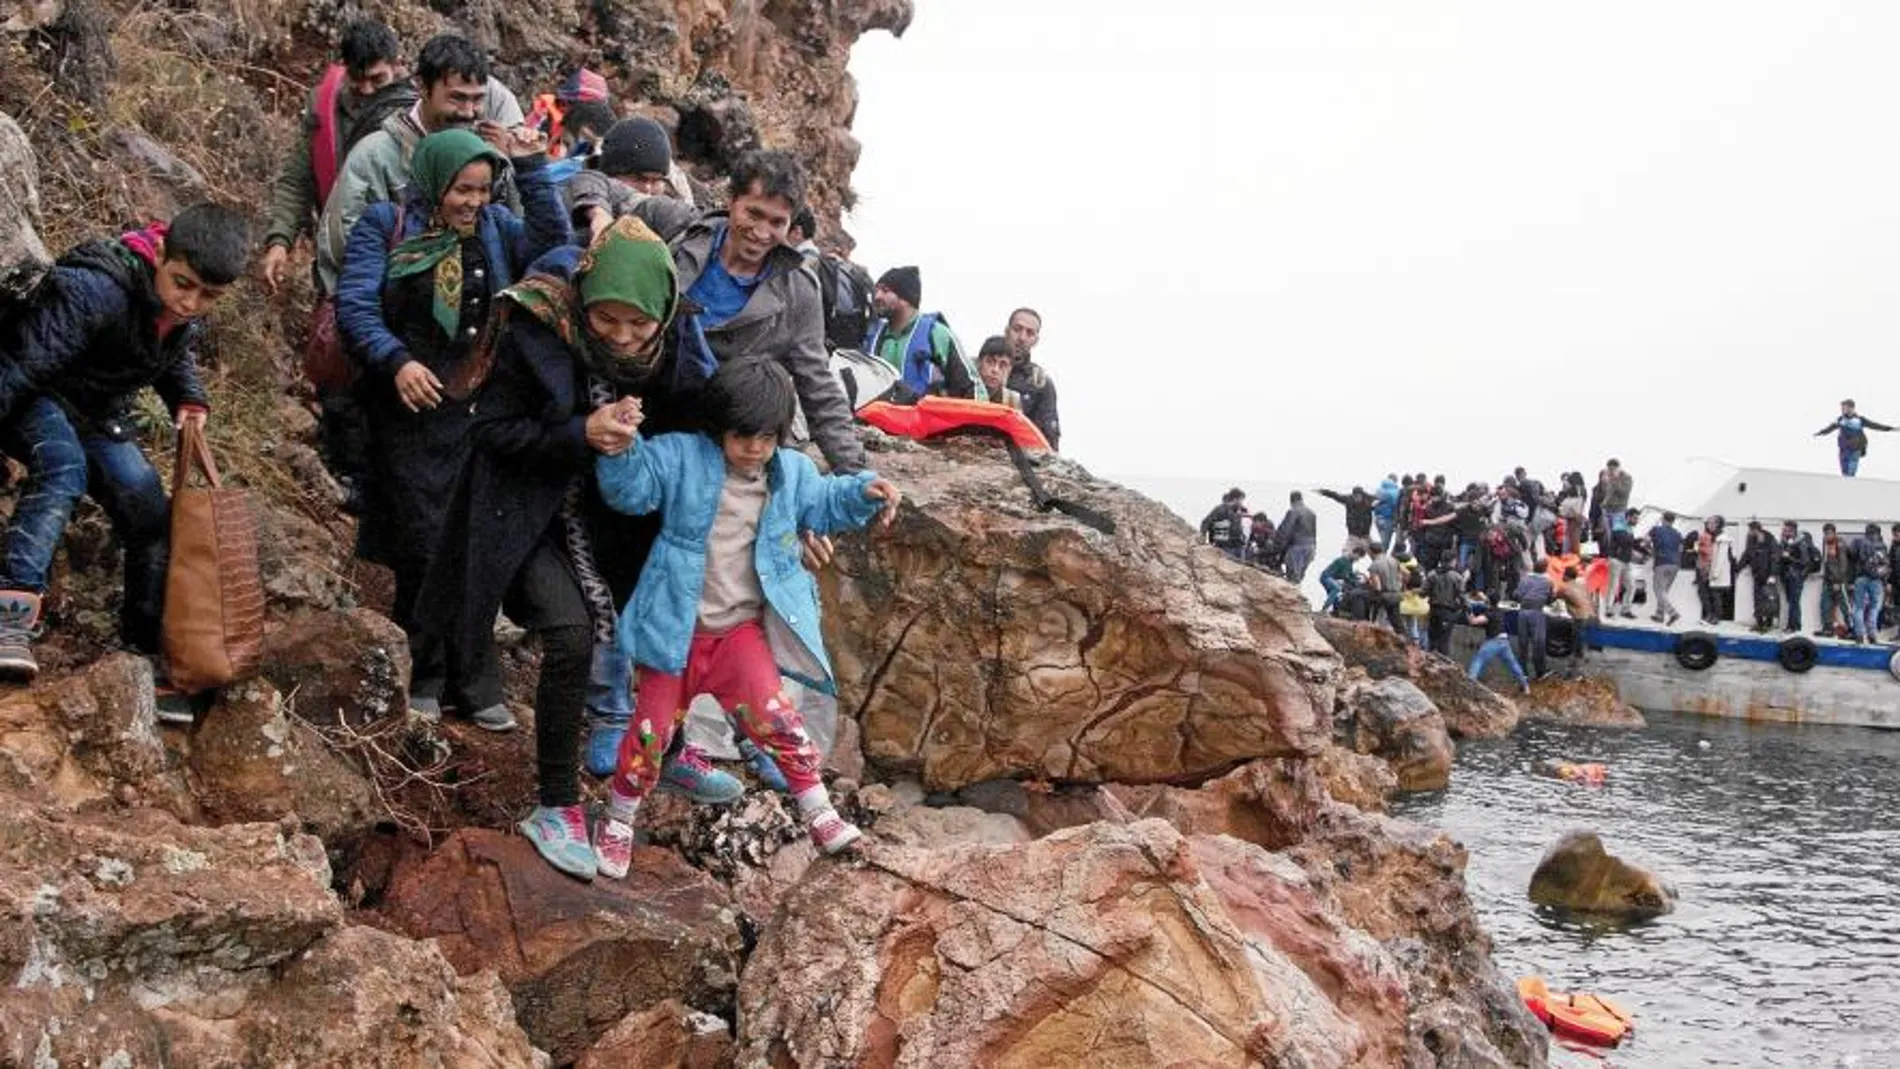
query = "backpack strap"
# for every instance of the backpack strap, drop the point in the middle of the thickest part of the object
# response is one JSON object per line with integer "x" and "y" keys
{"x": 1040, "y": 494}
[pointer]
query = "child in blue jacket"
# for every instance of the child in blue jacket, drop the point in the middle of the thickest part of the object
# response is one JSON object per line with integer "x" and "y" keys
{"x": 724, "y": 594}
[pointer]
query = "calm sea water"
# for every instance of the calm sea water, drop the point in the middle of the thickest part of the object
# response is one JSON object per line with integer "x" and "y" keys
{"x": 1785, "y": 947}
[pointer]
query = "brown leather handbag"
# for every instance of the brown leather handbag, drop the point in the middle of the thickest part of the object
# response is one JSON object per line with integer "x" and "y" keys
{"x": 213, "y": 625}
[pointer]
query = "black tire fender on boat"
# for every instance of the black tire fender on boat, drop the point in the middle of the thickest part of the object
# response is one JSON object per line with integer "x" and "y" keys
{"x": 1561, "y": 638}
{"x": 1797, "y": 654}
{"x": 1696, "y": 650}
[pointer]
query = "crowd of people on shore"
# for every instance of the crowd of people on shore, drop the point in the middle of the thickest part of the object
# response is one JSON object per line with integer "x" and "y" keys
{"x": 1425, "y": 559}
{"x": 553, "y": 385}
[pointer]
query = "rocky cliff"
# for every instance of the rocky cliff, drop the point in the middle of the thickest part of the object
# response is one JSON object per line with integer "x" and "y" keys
{"x": 1108, "y": 818}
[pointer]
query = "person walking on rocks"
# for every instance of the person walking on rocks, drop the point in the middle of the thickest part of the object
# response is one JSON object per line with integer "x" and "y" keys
{"x": 1533, "y": 593}
{"x": 1385, "y": 581}
{"x": 1222, "y": 528}
{"x": 412, "y": 301}
{"x": 1297, "y": 538}
{"x": 113, "y": 317}
{"x": 732, "y": 501}
{"x": 1359, "y": 507}
{"x": 1582, "y": 608}
{"x": 1496, "y": 647}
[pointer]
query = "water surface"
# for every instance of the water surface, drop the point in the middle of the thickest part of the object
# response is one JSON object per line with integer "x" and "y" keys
{"x": 1785, "y": 947}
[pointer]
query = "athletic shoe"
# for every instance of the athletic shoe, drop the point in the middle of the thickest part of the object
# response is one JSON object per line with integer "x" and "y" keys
{"x": 493, "y": 718}
{"x": 604, "y": 736}
{"x": 429, "y": 709}
{"x": 560, "y": 836}
{"x": 763, "y": 767}
{"x": 690, "y": 774}
{"x": 19, "y": 626}
{"x": 832, "y": 833}
{"x": 613, "y": 847}
{"x": 173, "y": 706}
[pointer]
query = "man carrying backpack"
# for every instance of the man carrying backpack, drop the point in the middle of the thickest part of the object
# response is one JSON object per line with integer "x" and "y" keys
{"x": 1850, "y": 432}
{"x": 1872, "y": 566}
{"x": 846, "y": 289}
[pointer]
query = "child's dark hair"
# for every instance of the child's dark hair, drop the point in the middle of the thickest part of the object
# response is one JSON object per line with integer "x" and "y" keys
{"x": 365, "y": 43}
{"x": 448, "y": 54}
{"x": 212, "y": 240}
{"x": 750, "y": 397}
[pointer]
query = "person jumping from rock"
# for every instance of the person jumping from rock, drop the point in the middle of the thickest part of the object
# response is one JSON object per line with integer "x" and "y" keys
{"x": 724, "y": 575}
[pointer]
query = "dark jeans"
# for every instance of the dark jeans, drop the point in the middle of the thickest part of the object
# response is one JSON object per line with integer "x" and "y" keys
{"x": 1533, "y": 629}
{"x": 61, "y": 465}
{"x": 1791, "y": 586}
{"x": 1443, "y": 619}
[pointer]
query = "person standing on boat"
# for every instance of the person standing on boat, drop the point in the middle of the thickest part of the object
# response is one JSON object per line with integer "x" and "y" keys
{"x": 1715, "y": 571}
{"x": 1800, "y": 558}
{"x": 1850, "y": 432}
{"x": 1872, "y": 568}
{"x": 1534, "y": 591}
{"x": 1665, "y": 560}
{"x": 1621, "y": 552}
{"x": 1616, "y": 486}
{"x": 1761, "y": 557}
{"x": 1837, "y": 582}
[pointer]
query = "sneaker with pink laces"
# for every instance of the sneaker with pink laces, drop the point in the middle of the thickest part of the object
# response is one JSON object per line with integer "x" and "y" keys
{"x": 613, "y": 847}
{"x": 689, "y": 773}
{"x": 832, "y": 833}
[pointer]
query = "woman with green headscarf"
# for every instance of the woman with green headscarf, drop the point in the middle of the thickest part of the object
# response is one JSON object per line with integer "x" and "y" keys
{"x": 412, "y": 301}
{"x": 576, "y": 349}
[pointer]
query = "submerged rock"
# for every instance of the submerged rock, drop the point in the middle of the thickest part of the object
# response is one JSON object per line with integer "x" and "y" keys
{"x": 577, "y": 957}
{"x": 1394, "y": 720}
{"x": 1471, "y": 710}
{"x": 1578, "y": 874}
{"x": 1588, "y": 702}
{"x": 980, "y": 638}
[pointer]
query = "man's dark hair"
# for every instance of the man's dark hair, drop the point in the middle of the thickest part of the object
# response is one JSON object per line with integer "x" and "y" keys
{"x": 1026, "y": 311}
{"x": 365, "y": 43}
{"x": 806, "y": 222}
{"x": 212, "y": 240}
{"x": 777, "y": 174}
{"x": 451, "y": 54}
{"x": 1377, "y": 549}
{"x": 1669, "y": 517}
{"x": 595, "y": 115}
{"x": 1296, "y": 497}
{"x": 1570, "y": 572}
{"x": 750, "y": 396}
{"x": 1234, "y": 494}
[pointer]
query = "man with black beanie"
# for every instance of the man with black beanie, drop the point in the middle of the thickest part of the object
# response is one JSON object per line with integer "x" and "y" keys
{"x": 922, "y": 348}
{"x": 630, "y": 175}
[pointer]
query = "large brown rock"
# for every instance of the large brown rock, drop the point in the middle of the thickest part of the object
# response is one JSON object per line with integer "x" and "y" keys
{"x": 1579, "y": 875}
{"x": 90, "y": 738}
{"x": 577, "y": 957}
{"x": 1471, "y": 710}
{"x": 1587, "y": 702}
{"x": 1359, "y": 780}
{"x": 338, "y": 667}
{"x": 251, "y": 760}
{"x": 980, "y": 638}
{"x": 665, "y": 1036}
{"x": 1111, "y": 945}
{"x": 1268, "y": 803}
{"x": 1403, "y": 885}
{"x": 1396, "y": 721}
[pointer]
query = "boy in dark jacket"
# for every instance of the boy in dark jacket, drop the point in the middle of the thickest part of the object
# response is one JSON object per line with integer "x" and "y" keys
{"x": 114, "y": 316}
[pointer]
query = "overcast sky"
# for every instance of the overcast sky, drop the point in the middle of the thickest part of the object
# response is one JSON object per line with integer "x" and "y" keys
{"x": 1325, "y": 241}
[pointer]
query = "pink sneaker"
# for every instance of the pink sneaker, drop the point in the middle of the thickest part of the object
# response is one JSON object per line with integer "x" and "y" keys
{"x": 832, "y": 833}
{"x": 613, "y": 847}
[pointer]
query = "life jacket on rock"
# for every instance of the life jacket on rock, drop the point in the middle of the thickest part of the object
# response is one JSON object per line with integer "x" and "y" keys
{"x": 932, "y": 416}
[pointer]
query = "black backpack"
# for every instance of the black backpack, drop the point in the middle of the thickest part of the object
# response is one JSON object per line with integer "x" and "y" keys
{"x": 1872, "y": 559}
{"x": 846, "y": 290}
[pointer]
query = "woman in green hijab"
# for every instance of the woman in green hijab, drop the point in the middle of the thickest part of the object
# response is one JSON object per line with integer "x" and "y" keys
{"x": 577, "y": 346}
{"x": 412, "y": 301}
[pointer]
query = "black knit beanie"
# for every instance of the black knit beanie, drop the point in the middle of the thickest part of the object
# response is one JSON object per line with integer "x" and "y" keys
{"x": 907, "y": 283}
{"x": 635, "y": 146}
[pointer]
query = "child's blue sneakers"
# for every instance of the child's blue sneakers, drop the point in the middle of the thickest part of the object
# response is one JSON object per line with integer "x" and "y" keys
{"x": 763, "y": 766}
{"x": 560, "y": 835}
{"x": 690, "y": 774}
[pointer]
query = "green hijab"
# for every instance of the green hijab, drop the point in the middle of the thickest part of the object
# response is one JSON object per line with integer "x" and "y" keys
{"x": 626, "y": 262}
{"x": 437, "y": 160}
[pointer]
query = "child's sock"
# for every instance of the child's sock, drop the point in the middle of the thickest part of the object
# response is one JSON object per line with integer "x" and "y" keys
{"x": 621, "y": 807}
{"x": 813, "y": 799}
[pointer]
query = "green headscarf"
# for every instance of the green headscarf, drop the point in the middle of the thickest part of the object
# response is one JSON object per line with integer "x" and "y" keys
{"x": 626, "y": 262}
{"x": 437, "y": 160}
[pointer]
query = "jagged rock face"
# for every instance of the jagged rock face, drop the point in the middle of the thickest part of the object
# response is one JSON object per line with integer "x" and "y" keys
{"x": 979, "y": 638}
{"x": 1105, "y": 944}
{"x": 1355, "y": 779}
{"x": 1394, "y": 720}
{"x": 1579, "y": 875}
{"x": 1403, "y": 885}
{"x": 1268, "y": 803}
{"x": 1588, "y": 702}
{"x": 577, "y": 957}
{"x": 1471, "y": 710}
{"x": 22, "y": 256}
{"x": 349, "y": 668}
{"x": 90, "y": 739}
{"x": 667, "y": 1036}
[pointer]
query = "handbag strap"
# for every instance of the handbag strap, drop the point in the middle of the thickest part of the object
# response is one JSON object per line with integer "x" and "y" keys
{"x": 194, "y": 454}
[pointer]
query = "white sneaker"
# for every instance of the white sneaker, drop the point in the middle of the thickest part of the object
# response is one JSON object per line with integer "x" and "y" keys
{"x": 832, "y": 833}
{"x": 613, "y": 847}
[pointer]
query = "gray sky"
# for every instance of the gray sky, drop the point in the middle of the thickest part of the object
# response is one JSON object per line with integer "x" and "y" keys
{"x": 1325, "y": 241}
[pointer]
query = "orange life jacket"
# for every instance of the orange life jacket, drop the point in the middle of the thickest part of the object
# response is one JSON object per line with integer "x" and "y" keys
{"x": 932, "y": 416}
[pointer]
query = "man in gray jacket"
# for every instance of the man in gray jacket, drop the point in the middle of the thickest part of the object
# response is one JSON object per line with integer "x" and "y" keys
{"x": 1297, "y": 537}
{"x": 750, "y": 294}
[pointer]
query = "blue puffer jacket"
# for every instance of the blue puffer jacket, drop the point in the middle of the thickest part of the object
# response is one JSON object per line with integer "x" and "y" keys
{"x": 1388, "y": 505}
{"x": 509, "y": 244}
{"x": 681, "y": 476}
